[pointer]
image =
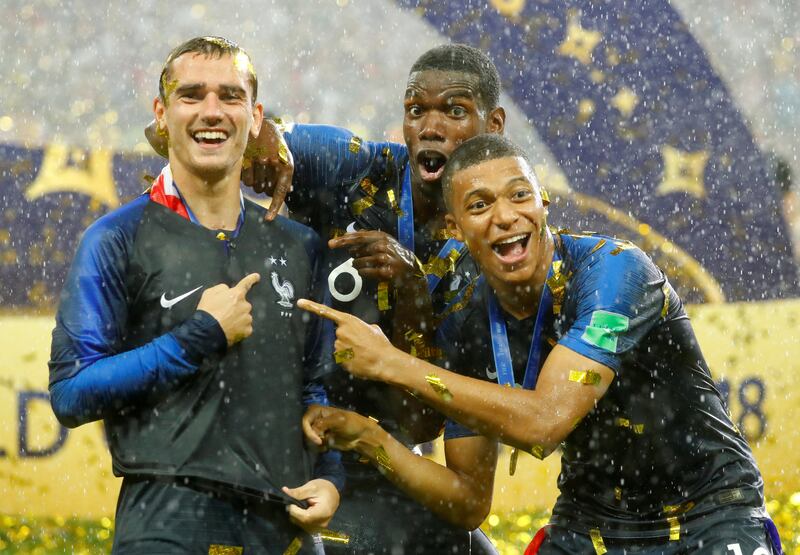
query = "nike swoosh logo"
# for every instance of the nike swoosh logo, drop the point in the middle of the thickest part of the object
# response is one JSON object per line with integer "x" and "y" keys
{"x": 351, "y": 228}
{"x": 167, "y": 303}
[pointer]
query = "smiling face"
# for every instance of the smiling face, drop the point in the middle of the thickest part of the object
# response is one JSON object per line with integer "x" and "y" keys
{"x": 208, "y": 113}
{"x": 442, "y": 110}
{"x": 496, "y": 209}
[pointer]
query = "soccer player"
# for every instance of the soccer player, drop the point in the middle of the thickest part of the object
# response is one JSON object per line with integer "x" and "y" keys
{"x": 380, "y": 205}
{"x": 199, "y": 368}
{"x": 591, "y": 350}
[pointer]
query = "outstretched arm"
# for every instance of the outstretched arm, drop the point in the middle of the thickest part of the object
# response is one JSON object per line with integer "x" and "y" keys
{"x": 533, "y": 420}
{"x": 460, "y": 492}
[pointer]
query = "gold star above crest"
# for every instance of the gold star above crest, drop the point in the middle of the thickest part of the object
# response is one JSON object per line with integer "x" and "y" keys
{"x": 683, "y": 172}
{"x": 625, "y": 101}
{"x": 508, "y": 8}
{"x": 579, "y": 42}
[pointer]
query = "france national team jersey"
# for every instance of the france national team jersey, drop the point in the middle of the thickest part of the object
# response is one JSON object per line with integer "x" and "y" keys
{"x": 130, "y": 347}
{"x": 342, "y": 183}
{"x": 659, "y": 451}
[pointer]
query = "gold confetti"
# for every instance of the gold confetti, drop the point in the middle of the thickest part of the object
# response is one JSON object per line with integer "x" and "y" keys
{"x": 618, "y": 493}
{"x": 343, "y": 355}
{"x": 586, "y": 377}
{"x": 597, "y": 541}
{"x": 383, "y": 460}
{"x": 665, "y": 308}
{"x": 442, "y": 234}
{"x": 283, "y": 154}
{"x": 393, "y": 202}
{"x": 598, "y": 246}
{"x": 512, "y": 462}
{"x": 214, "y": 549}
{"x": 625, "y": 423}
{"x": 355, "y": 144}
{"x": 538, "y": 452}
{"x": 369, "y": 187}
{"x": 362, "y": 204}
{"x": 545, "y": 196}
{"x": 460, "y": 305}
{"x": 221, "y": 236}
{"x": 294, "y": 547}
{"x": 383, "y": 296}
{"x": 334, "y": 537}
{"x": 438, "y": 386}
{"x": 551, "y": 341}
{"x": 557, "y": 284}
{"x": 678, "y": 509}
{"x": 622, "y": 246}
{"x": 674, "y": 529}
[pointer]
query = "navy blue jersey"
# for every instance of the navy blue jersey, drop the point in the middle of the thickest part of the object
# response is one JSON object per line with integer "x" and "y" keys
{"x": 659, "y": 450}
{"x": 129, "y": 347}
{"x": 342, "y": 183}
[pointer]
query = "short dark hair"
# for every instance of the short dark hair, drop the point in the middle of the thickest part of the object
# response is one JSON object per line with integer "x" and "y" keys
{"x": 464, "y": 58}
{"x": 474, "y": 151}
{"x": 208, "y": 46}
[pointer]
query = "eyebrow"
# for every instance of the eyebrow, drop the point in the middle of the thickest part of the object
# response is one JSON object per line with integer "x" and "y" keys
{"x": 194, "y": 87}
{"x": 411, "y": 92}
{"x": 485, "y": 190}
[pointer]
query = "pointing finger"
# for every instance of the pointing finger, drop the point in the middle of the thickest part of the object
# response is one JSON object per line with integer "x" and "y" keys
{"x": 248, "y": 281}
{"x": 324, "y": 311}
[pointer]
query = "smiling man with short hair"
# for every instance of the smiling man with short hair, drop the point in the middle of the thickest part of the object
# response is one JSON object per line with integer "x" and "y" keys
{"x": 199, "y": 369}
{"x": 592, "y": 352}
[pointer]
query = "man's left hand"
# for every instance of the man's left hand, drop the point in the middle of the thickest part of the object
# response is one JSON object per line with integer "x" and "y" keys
{"x": 323, "y": 500}
{"x": 378, "y": 255}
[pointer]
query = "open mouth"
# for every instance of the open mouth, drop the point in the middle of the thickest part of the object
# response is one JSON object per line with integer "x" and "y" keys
{"x": 512, "y": 249}
{"x": 209, "y": 138}
{"x": 431, "y": 164}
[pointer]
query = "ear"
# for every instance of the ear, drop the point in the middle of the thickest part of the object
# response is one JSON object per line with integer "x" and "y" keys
{"x": 159, "y": 111}
{"x": 452, "y": 227}
{"x": 496, "y": 121}
{"x": 258, "y": 119}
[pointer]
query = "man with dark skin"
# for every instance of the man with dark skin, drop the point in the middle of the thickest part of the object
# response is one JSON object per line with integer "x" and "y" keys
{"x": 380, "y": 205}
{"x": 651, "y": 462}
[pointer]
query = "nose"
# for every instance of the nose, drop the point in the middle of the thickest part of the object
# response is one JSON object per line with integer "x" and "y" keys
{"x": 432, "y": 128}
{"x": 504, "y": 215}
{"x": 211, "y": 109}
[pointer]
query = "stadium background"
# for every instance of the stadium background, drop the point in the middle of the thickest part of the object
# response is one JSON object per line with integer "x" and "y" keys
{"x": 661, "y": 121}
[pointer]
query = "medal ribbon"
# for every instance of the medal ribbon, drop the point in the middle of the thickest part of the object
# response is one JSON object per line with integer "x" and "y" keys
{"x": 405, "y": 231}
{"x": 500, "y": 349}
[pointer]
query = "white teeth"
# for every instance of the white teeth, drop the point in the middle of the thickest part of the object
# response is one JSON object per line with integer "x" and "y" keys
{"x": 210, "y": 135}
{"x": 513, "y": 239}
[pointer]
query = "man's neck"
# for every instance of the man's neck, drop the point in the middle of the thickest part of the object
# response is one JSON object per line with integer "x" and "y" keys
{"x": 429, "y": 208}
{"x": 214, "y": 200}
{"x": 522, "y": 300}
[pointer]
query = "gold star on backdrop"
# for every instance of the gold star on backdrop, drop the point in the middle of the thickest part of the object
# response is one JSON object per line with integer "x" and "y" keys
{"x": 625, "y": 101}
{"x": 579, "y": 42}
{"x": 508, "y": 8}
{"x": 93, "y": 177}
{"x": 683, "y": 172}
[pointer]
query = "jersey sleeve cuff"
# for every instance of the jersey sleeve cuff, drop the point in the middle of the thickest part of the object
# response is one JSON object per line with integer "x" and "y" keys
{"x": 200, "y": 336}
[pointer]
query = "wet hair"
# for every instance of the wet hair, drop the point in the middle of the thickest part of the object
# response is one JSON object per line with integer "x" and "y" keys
{"x": 466, "y": 59}
{"x": 211, "y": 47}
{"x": 474, "y": 151}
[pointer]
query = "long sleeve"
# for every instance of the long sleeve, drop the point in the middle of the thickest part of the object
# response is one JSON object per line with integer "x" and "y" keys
{"x": 90, "y": 373}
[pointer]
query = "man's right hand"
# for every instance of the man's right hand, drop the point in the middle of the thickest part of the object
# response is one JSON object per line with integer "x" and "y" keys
{"x": 268, "y": 163}
{"x": 269, "y": 166}
{"x": 229, "y": 307}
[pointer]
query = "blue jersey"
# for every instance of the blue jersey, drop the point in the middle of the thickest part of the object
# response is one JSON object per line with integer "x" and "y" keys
{"x": 343, "y": 183}
{"x": 659, "y": 450}
{"x": 130, "y": 348}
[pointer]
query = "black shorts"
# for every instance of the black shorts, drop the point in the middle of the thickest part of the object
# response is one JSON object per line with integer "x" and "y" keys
{"x": 739, "y": 536}
{"x": 168, "y": 516}
{"x": 382, "y": 520}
